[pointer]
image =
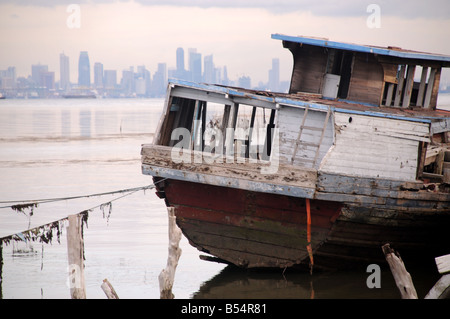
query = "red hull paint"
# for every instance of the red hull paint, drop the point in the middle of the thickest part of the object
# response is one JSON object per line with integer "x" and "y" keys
{"x": 247, "y": 228}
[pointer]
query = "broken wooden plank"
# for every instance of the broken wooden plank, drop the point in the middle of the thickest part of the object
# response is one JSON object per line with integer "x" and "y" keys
{"x": 402, "y": 277}
{"x": 408, "y": 86}
{"x": 443, "y": 264}
{"x": 232, "y": 167}
{"x": 398, "y": 93}
{"x": 390, "y": 93}
{"x": 435, "y": 90}
{"x": 423, "y": 83}
{"x": 427, "y": 101}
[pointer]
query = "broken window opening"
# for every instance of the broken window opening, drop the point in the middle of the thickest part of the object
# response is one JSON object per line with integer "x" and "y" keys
{"x": 411, "y": 88}
{"x": 240, "y": 130}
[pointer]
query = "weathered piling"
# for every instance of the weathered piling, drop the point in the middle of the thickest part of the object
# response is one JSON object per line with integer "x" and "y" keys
{"x": 75, "y": 250}
{"x": 402, "y": 277}
{"x": 167, "y": 275}
{"x": 108, "y": 289}
{"x": 1, "y": 269}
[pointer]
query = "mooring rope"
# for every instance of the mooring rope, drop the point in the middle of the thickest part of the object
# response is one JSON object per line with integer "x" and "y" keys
{"x": 45, "y": 232}
{"x": 29, "y": 202}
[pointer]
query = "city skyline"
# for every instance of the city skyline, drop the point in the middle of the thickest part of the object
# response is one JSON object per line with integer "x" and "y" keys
{"x": 144, "y": 32}
{"x": 93, "y": 78}
{"x": 236, "y": 33}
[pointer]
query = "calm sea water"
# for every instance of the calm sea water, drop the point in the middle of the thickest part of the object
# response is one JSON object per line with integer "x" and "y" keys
{"x": 60, "y": 148}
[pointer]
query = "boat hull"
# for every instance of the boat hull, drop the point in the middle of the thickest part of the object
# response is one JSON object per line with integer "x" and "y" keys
{"x": 245, "y": 228}
{"x": 253, "y": 229}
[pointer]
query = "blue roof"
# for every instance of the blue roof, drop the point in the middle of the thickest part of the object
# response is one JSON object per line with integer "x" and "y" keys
{"x": 394, "y": 52}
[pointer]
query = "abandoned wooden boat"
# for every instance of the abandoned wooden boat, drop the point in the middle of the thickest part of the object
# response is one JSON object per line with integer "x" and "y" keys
{"x": 354, "y": 156}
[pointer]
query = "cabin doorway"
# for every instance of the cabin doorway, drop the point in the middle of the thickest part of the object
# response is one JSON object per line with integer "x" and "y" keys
{"x": 340, "y": 64}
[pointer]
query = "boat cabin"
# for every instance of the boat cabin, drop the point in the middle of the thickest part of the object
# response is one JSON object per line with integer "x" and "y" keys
{"x": 351, "y": 110}
{"x": 366, "y": 74}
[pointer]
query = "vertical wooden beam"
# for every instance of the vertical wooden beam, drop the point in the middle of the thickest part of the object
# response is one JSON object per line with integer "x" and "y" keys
{"x": 225, "y": 120}
{"x": 75, "y": 252}
{"x": 163, "y": 131}
{"x": 226, "y": 116}
{"x": 408, "y": 86}
{"x": 162, "y": 124}
{"x": 195, "y": 124}
{"x": 421, "y": 159}
{"x": 426, "y": 103}
{"x": 401, "y": 79}
{"x": 231, "y": 127}
{"x": 390, "y": 92}
{"x": 250, "y": 132}
{"x": 202, "y": 138}
{"x": 435, "y": 90}
{"x": 423, "y": 82}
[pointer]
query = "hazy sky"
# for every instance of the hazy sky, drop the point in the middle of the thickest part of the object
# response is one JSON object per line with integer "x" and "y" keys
{"x": 127, "y": 33}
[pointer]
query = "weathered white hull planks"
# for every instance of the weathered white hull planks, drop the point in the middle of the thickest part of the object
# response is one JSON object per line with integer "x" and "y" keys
{"x": 375, "y": 147}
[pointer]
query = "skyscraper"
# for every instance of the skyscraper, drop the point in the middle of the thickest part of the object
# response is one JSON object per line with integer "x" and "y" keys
{"x": 209, "y": 76}
{"x": 159, "y": 82}
{"x": 274, "y": 75}
{"x": 180, "y": 60}
{"x": 225, "y": 80}
{"x": 98, "y": 75}
{"x": 195, "y": 65}
{"x": 84, "y": 70}
{"x": 110, "y": 79}
{"x": 64, "y": 73}
{"x": 36, "y": 74}
{"x": 180, "y": 72}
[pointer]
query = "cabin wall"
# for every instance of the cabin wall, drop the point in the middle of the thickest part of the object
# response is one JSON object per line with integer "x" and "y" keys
{"x": 366, "y": 83}
{"x": 375, "y": 147}
{"x": 309, "y": 69}
{"x": 289, "y": 124}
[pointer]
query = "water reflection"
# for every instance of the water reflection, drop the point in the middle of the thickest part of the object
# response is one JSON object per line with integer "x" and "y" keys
{"x": 236, "y": 283}
{"x": 85, "y": 123}
{"x": 66, "y": 128}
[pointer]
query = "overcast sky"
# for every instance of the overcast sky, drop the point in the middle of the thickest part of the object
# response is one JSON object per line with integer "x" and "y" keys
{"x": 127, "y": 33}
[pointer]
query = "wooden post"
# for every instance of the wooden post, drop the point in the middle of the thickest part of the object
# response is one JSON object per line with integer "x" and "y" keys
{"x": 109, "y": 290}
{"x": 399, "y": 92}
{"x": 423, "y": 83}
{"x": 429, "y": 90}
{"x": 408, "y": 86}
{"x": 389, "y": 94}
{"x": 167, "y": 275}
{"x": 401, "y": 275}
{"x": 75, "y": 250}
{"x": 1, "y": 269}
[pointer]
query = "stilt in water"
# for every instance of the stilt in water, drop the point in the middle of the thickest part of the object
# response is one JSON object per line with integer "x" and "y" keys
{"x": 75, "y": 250}
{"x": 167, "y": 275}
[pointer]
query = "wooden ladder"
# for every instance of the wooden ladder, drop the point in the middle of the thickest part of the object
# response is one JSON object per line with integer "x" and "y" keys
{"x": 310, "y": 128}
